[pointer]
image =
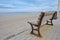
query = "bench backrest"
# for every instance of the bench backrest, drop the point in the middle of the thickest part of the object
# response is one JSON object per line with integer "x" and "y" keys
{"x": 54, "y": 15}
{"x": 40, "y": 18}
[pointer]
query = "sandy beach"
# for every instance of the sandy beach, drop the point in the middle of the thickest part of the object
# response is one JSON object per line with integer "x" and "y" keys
{"x": 15, "y": 27}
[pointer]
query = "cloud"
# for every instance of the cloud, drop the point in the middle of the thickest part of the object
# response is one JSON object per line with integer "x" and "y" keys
{"x": 28, "y": 5}
{"x": 6, "y": 6}
{"x": 29, "y": 9}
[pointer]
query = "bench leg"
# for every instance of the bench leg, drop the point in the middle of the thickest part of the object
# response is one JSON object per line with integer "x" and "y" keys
{"x": 32, "y": 28}
{"x": 47, "y": 22}
{"x": 51, "y": 22}
{"x": 39, "y": 33}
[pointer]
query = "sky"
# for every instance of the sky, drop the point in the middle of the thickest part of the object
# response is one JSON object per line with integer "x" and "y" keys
{"x": 28, "y": 5}
{"x": 58, "y": 4}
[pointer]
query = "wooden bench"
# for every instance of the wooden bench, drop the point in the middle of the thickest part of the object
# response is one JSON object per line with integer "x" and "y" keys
{"x": 43, "y": 17}
{"x": 54, "y": 16}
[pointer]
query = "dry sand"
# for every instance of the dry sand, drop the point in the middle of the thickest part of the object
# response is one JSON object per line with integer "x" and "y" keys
{"x": 15, "y": 27}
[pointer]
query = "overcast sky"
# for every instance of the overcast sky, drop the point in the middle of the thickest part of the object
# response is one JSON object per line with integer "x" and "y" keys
{"x": 27, "y": 5}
